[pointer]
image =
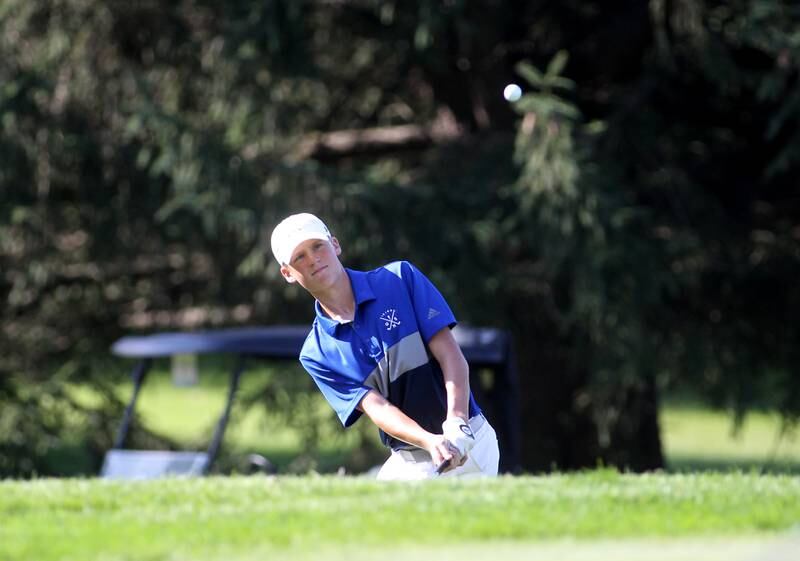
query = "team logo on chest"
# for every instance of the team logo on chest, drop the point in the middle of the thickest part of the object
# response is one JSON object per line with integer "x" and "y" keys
{"x": 390, "y": 319}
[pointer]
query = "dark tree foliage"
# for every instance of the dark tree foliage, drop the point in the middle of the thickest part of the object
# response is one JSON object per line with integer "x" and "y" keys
{"x": 633, "y": 220}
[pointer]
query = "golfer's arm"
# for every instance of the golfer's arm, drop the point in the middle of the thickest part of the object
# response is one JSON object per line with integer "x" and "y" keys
{"x": 393, "y": 421}
{"x": 455, "y": 370}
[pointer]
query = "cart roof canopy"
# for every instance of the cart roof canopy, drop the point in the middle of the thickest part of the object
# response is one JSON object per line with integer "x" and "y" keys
{"x": 480, "y": 345}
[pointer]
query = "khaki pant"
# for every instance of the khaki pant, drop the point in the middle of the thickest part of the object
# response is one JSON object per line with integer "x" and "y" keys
{"x": 482, "y": 460}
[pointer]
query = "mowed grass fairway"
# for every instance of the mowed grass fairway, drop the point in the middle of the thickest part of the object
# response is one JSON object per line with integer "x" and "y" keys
{"x": 599, "y": 515}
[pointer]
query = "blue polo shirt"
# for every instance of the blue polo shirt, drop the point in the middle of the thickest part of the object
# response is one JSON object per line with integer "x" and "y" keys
{"x": 385, "y": 348}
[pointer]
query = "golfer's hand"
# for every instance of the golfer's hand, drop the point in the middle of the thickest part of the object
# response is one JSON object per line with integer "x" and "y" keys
{"x": 458, "y": 432}
{"x": 442, "y": 450}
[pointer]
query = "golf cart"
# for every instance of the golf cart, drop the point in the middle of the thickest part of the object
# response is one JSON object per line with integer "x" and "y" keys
{"x": 486, "y": 349}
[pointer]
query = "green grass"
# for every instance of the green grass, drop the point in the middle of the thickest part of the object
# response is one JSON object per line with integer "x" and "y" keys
{"x": 701, "y": 439}
{"x": 189, "y": 414}
{"x": 240, "y": 518}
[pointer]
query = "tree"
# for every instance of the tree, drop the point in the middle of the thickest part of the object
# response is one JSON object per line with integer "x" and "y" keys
{"x": 632, "y": 220}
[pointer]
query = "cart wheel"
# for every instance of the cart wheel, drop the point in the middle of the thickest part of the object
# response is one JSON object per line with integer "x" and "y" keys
{"x": 259, "y": 464}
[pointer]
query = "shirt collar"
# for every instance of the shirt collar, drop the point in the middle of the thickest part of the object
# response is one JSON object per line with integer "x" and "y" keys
{"x": 362, "y": 292}
{"x": 361, "y": 287}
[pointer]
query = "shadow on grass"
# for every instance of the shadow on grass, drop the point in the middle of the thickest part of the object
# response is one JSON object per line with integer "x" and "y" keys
{"x": 69, "y": 460}
{"x": 285, "y": 461}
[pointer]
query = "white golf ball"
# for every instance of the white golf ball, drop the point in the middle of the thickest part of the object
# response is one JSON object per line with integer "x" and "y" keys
{"x": 512, "y": 92}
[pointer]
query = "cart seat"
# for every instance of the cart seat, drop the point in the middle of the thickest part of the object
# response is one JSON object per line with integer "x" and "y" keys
{"x": 148, "y": 464}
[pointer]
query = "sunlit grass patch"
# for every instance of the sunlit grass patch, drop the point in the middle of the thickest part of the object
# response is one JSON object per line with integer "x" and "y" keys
{"x": 696, "y": 438}
{"x": 238, "y": 517}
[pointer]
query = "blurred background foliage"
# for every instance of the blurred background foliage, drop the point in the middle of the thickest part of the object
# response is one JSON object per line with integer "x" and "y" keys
{"x": 634, "y": 219}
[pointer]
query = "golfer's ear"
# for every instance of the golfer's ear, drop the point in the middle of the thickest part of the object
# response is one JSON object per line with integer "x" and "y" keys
{"x": 287, "y": 274}
{"x": 336, "y": 246}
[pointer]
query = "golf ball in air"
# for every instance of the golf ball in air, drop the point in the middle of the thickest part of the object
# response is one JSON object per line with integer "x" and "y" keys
{"x": 512, "y": 92}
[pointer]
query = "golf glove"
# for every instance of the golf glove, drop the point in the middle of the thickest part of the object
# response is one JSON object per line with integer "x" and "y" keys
{"x": 459, "y": 434}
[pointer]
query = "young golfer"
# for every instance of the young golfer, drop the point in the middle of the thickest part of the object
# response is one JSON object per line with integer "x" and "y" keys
{"x": 381, "y": 344}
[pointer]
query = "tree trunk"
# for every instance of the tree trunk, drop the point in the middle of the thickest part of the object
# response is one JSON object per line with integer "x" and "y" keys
{"x": 558, "y": 412}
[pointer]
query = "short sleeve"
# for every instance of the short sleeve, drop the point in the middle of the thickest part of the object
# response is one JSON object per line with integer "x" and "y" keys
{"x": 341, "y": 393}
{"x": 431, "y": 309}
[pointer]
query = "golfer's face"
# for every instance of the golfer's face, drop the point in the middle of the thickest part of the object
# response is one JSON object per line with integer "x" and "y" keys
{"x": 314, "y": 263}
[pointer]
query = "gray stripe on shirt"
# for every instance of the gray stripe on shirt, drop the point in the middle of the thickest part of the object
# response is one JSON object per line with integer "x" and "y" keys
{"x": 409, "y": 353}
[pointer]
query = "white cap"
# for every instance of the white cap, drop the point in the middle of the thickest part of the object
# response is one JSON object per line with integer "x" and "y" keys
{"x": 294, "y": 230}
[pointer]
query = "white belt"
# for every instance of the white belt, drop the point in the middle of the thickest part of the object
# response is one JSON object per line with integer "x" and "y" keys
{"x": 420, "y": 455}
